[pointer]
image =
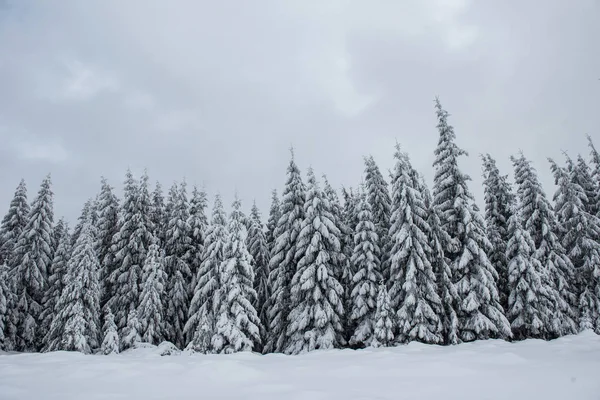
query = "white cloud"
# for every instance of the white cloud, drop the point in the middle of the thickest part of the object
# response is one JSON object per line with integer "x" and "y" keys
{"x": 36, "y": 150}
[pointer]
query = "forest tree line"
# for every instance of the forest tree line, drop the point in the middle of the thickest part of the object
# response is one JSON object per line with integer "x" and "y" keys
{"x": 381, "y": 265}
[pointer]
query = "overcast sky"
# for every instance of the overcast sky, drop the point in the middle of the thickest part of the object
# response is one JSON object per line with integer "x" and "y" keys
{"x": 217, "y": 91}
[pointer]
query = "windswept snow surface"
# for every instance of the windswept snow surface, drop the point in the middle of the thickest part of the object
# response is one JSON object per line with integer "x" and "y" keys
{"x": 567, "y": 368}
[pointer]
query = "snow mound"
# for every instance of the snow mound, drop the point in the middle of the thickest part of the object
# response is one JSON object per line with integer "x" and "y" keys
{"x": 567, "y": 368}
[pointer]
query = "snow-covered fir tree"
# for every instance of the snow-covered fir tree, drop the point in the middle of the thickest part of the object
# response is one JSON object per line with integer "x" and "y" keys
{"x": 284, "y": 257}
{"x": 58, "y": 231}
{"x": 257, "y": 246}
{"x": 317, "y": 309}
{"x": 158, "y": 214}
{"x": 29, "y": 268}
{"x": 150, "y": 311}
{"x": 177, "y": 245}
{"x": 57, "y": 280}
{"x": 580, "y": 235}
{"x": 13, "y": 222}
{"x": 343, "y": 269}
{"x": 439, "y": 240}
{"x": 595, "y": 173}
{"x": 383, "y": 332}
{"x": 540, "y": 221}
{"x": 198, "y": 224}
{"x": 366, "y": 264}
{"x": 107, "y": 228}
{"x": 379, "y": 198}
{"x": 76, "y": 326}
{"x": 529, "y": 300}
{"x": 480, "y": 315}
{"x": 130, "y": 245}
{"x": 131, "y": 333}
{"x": 274, "y": 215}
{"x": 238, "y": 326}
{"x": 413, "y": 289}
{"x": 499, "y": 202}
{"x": 110, "y": 343}
{"x": 200, "y": 326}
{"x": 582, "y": 175}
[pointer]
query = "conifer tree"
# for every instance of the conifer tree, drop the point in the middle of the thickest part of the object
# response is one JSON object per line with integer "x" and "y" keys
{"x": 158, "y": 214}
{"x": 200, "y": 326}
{"x": 150, "y": 311}
{"x": 177, "y": 245}
{"x": 480, "y": 315}
{"x": 440, "y": 240}
{"x": 29, "y": 267}
{"x": 580, "y": 238}
{"x": 379, "y": 198}
{"x": 130, "y": 244}
{"x": 595, "y": 167}
{"x": 131, "y": 333}
{"x": 540, "y": 222}
{"x": 237, "y": 326}
{"x": 198, "y": 224}
{"x": 76, "y": 326}
{"x": 413, "y": 289}
{"x": 57, "y": 281}
{"x": 274, "y": 215}
{"x": 110, "y": 343}
{"x": 499, "y": 202}
{"x": 284, "y": 257}
{"x": 384, "y": 320}
{"x": 317, "y": 309}
{"x": 108, "y": 227}
{"x": 351, "y": 208}
{"x": 13, "y": 222}
{"x": 343, "y": 269}
{"x": 529, "y": 301}
{"x": 257, "y": 246}
{"x": 582, "y": 175}
{"x": 366, "y": 264}
{"x": 58, "y": 231}
{"x": 5, "y": 294}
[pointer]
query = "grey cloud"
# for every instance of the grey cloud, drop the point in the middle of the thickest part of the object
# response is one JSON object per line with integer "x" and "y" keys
{"x": 216, "y": 92}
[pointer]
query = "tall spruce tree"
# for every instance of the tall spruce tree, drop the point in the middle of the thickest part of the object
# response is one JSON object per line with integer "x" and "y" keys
{"x": 595, "y": 166}
{"x": 89, "y": 214}
{"x": 177, "y": 245}
{"x": 130, "y": 245}
{"x": 257, "y": 246}
{"x": 238, "y": 326}
{"x": 367, "y": 266}
{"x": 582, "y": 175}
{"x": 200, "y": 326}
{"x": 439, "y": 240}
{"x": 379, "y": 198}
{"x": 150, "y": 311}
{"x": 274, "y": 215}
{"x": 499, "y": 202}
{"x": 343, "y": 269}
{"x": 107, "y": 229}
{"x": 198, "y": 224}
{"x": 29, "y": 268}
{"x": 76, "y": 326}
{"x": 57, "y": 281}
{"x": 13, "y": 222}
{"x": 317, "y": 309}
{"x": 529, "y": 300}
{"x": 540, "y": 221}
{"x": 580, "y": 238}
{"x": 284, "y": 258}
{"x": 480, "y": 315}
{"x": 413, "y": 289}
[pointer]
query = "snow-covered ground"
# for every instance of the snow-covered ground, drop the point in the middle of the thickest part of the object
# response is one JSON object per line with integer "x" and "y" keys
{"x": 565, "y": 369}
